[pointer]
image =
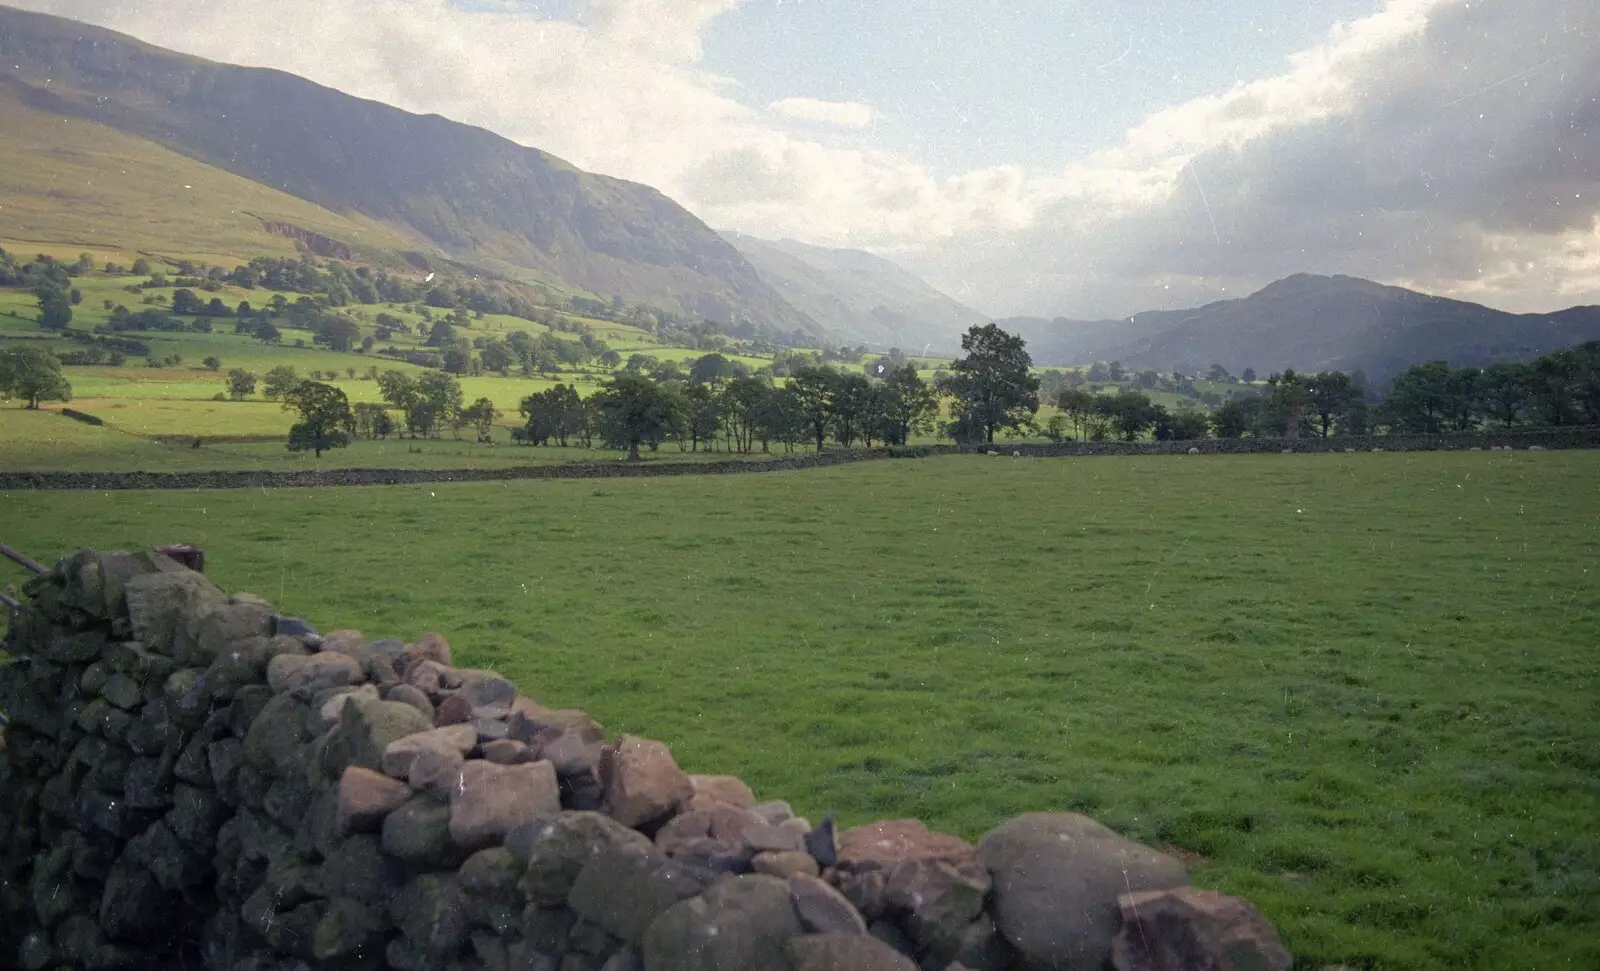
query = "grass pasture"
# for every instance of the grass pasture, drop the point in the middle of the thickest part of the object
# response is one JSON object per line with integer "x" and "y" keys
{"x": 1358, "y": 689}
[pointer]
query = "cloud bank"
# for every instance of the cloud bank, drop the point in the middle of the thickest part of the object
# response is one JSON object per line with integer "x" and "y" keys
{"x": 1441, "y": 144}
{"x": 845, "y": 114}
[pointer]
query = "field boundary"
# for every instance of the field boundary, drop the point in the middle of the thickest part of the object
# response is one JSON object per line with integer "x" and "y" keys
{"x": 1543, "y": 439}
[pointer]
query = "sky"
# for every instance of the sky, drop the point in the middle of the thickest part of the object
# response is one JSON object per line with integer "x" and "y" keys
{"x": 1078, "y": 158}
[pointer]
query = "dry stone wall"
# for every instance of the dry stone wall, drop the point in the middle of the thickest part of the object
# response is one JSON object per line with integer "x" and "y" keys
{"x": 195, "y": 780}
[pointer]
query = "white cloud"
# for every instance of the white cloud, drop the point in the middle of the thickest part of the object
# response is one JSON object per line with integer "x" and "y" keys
{"x": 844, "y": 114}
{"x": 1449, "y": 145}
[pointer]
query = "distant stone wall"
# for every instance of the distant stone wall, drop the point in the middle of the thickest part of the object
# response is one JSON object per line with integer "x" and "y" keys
{"x": 192, "y": 779}
{"x": 1561, "y": 438}
{"x": 1514, "y": 440}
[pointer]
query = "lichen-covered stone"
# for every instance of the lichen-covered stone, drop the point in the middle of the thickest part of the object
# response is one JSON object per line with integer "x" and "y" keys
{"x": 625, "y": 888}
{"x": 742, "y": 924}
{"x": 365, "y": 730}
{"x": 277, "y": 737}
{"x": 430, "y": 911}
{"x": 419, "y": 833}
{"x": 553, "y": 850}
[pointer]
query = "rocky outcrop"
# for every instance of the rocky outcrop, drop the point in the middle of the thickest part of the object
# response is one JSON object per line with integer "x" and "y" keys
{"x": 192, "y": 779}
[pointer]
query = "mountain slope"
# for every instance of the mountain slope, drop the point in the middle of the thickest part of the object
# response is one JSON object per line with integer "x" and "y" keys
{"x": 1311, "y": 323}
{"x": 78, "y": 182}
{"x": 859, "y": 297}
{"x": 468, "y": 192}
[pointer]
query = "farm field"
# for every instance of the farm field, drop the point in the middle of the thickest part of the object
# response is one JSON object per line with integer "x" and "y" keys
{"x": 1359, "y": 690}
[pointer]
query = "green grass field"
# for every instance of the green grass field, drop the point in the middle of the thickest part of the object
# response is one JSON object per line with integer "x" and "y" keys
{"x": 1360, "y": 690}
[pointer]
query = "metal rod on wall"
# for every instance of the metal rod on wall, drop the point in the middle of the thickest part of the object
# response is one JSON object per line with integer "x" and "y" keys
{"x": 20, "y": 558}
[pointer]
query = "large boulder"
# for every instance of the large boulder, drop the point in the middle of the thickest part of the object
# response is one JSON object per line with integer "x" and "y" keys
{"x": 419, "y": 833}
{"x": 1057, "y": 877}
{"x": 845, "y": 952}
{"x": 555, "y": 849}
{"x": 457, "y": 740}
{"x": 722, "y": 788}
{"x": 640, "y": 781}
{"x": 431, "y": 911}
{"x": 1184, "y": 928}
{"x": 161, "y": 603}
{"x": 366, "y": 798}
{"x": 625, "y": 888}
{"x": 929, "y": 884}
{"x": 489, "y": 800}
{"x": 744, "y": 923}
{"x": 305, "y": 676}
{"x": 429, "y": 647}
{"x": 277, "y": 738}
{"x": 822, "y": 909}
{"x": 366, "y": 729}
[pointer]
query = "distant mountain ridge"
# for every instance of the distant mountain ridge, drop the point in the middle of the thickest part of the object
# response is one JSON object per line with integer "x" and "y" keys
{"x": 1310, "y": 323}
{"x": 859, "y": 297}
{"x": 472, "y": 194}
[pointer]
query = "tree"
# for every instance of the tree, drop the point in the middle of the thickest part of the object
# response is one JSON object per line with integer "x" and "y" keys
{"x": 634, "y": 409}
{"x": 993, "y": 385}
{"x": 55, "y": 306}
{"x": 1116, "y": 372}
{"x": 910, "y": 405}
{"x": 185, "y": 302}
{"x": 212, "y": 363}
{"x": 397, "y": 388}
{"x": 1232, "y": 419}
{"x": 1420, "y": 399}
{"x": 439, "y": 398}
{"x": 710, "y": 369}
{"x": 141, "y": 267}
{"x": 1328, "y": 394}
{"x": 216, "y": 308}
{"x": 1288, "y": 397}
{"x": 813, "y": 389}
{"x": 280, "y": 381}
{"x": 481, "y": 415}
{"x": 368, "y": 415}
{"x": 704, "y": 415}
{"x": 851, "y": 400}
{"x": 337, "y": 333}
{"x": 743, "y": 402}
{"x": 1077, "y": 404}
{"x": 241, "y": 384}
{"x": 1183, "y": 425}
{"x": 610, "y": 359}
{"x": 442, "y": 334}
{"x": 1131, "y": 413}
{"x": 1505, "y": 392}
{"x": 1248, "y": 375}
{"x": 325, "y": 418}
{"x": 1551, "y": 381}
{"x": 1218, "y": 373}
{"x": 32, "y": 375}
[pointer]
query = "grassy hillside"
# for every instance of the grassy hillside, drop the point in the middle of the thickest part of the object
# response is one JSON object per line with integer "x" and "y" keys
{"x": 69, "y": 184}
{"x": 469, "y": 193}
{"x": 1358, "y": 690}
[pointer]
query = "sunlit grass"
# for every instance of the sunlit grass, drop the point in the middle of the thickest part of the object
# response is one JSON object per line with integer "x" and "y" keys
{"x": 1361, "y": 688}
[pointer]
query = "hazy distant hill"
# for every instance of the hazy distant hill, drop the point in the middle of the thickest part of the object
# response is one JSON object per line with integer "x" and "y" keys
{"x": 467, "y": 192}
{"x": 1311, "y": 323}
{"x": 859, "y": 297}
